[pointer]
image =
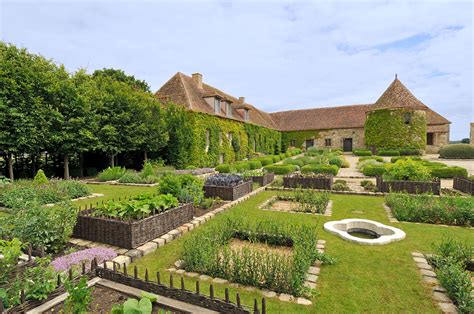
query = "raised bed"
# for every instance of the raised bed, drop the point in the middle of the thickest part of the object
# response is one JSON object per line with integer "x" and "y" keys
{"x": 228, "y": 193}
{"x": 308, "y": 182}
{"x": 411, "y": 187}
{"x": 463, "y": 185}
{"x": 130, "y": 234}
{"x": 264, "y": 179}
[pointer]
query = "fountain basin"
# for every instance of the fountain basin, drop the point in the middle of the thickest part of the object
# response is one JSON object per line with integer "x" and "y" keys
{"x": 364, "y": 231}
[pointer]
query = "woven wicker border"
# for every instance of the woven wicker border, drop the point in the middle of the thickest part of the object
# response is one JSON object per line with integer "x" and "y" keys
{"x": 463, "y": 185}
{"x": 130, "y": 234}
{"x": 265, "y": 179}
{"x": 320, "y": 183}
{"x": 228, "y": 193}
{"x": 412, "y": 187}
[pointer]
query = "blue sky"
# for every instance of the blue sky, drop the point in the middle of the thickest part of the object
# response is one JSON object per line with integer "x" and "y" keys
{"x": 280, "y": 55}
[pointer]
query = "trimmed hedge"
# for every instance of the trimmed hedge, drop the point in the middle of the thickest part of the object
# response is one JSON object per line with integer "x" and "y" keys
{"x": 410, "y": 152}
{"x": 448, "y": 172}
{"x": 335, "y": 161}
{"x": 281, "y": 169}
{"x": 362, "y": 152}
{"x": 373, "y": 171}
{"x": 290, "y": 161}
{"x": 255, "y": 164}
{"x": 457, "y": 151}
{"x": 241, "y": 166}
{"x": 397, "y": 158}
{"x": 265, "y": 161}
{"x": 377, "y": 158}
{"x": 276, "y": 158}
{"x": 388, "y": 152}
{"x": 224, "y": 168}
{"x": 331, "y": 169}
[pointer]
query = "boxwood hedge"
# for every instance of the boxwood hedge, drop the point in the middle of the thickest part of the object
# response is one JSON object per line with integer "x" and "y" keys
{"x": 331, "y": 169}
{"x": 457, "y": 151}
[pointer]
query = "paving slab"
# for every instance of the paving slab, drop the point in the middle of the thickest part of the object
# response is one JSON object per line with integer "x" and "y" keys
{"x": 160, "y": 241}
{"x": 441, "y": 297}
{"x": 424, "y": 266}
{"x": 303, "y": 301}
{"x": 219, "y": 280}
{"x": 417, "y": 254}
{"x": 191, "y": 274}
{"x": 122, "y": 259}
{"x": 447, "y": 308}
{"x": 147, "y": 248}
{"x": 285, "y": 297}
{"x": 204, "y": 277}
{"x": 429, "y": 273}
{"x": 269, "y": 294}
{"x": 311, "y": 278}
{"x": 180, "y": 271}
{"x": 314, "y": 270}
{"x": 420, "y": 260}
{"x": 167, "y": 237}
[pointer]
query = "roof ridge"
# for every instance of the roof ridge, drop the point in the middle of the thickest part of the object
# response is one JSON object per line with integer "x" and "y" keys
{"x": 332, "y": 107}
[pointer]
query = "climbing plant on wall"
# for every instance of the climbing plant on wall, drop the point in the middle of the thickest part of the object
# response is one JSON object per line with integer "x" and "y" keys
{"x": 298, "y": 136}
{"x": 395, "y": 128}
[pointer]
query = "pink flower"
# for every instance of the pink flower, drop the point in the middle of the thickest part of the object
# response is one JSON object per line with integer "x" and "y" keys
{"x": 65, "y": 262}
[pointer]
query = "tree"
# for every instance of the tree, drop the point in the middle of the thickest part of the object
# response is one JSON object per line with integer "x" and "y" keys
{"x": 465, "y": 141}
{"x": 120, "y": 76}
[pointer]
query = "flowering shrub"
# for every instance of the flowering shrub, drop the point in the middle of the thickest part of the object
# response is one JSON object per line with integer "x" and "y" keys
{"x": 64, "y": 263}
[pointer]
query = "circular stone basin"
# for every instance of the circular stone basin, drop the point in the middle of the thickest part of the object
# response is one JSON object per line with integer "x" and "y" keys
{"x": 364, "y": 231}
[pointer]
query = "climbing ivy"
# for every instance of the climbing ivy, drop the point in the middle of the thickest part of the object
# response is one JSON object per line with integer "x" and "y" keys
{"x": 395, "y": 128}
{"x": 232, "y": 139}
{"x": 299, "y": 136}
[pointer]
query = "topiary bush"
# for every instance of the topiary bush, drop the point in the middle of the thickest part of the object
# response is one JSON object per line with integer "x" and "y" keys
{"x": 335, "y": 160}
{"x": 255, "y": 164}
{"x": 281, "y": 169}
{"x": 407, "y": 169}
{"x": 276, "y": 158}
{"x": 362, "y": 152}
{"x": 330, "y": 169}
{"x": 377, "y": 158}
{"x": 449, "y": 172}
{"x": 389, "y": 152}
{"x": 373, "y": 170}
{"x": 265, "y": 161}
{"x": 457, "y": 151}
{"x": 40, "y": 178}
{"x": 410, "y": 152}
{"x": 241, "y": 166}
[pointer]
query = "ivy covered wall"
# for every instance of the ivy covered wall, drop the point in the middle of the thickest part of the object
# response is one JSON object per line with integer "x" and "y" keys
{"x": 205, "y": 138}
{"x": 299, "y": 136}
{"x": 395, "y": 128}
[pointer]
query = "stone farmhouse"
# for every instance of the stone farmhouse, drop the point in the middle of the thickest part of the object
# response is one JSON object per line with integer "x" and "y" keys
{"x": 343, "y": 127}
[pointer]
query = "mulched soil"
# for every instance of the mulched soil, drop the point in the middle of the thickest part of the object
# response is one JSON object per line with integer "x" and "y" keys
{"x": 103, "y": 299}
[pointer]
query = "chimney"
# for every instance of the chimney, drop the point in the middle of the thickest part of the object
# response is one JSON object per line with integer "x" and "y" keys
{"x": 242, "y": 100}
{"x": 197, "y": 78}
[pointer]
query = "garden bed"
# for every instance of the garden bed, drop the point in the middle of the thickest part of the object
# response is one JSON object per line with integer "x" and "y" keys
{"x": 464, "y": 185}
{"x": 130, "y": 234}
{"x": 228, "y": 193}
{"x": 303, "y": 201}
{"x": 308, "y": 182}
{"x": 264, "y": 179}
{"x": 412, "y": 187}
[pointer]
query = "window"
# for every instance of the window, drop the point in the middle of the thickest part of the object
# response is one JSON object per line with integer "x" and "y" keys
{"x": 309, "y": 143}
{"x": 246, "y": 115}
{"x": 407, "y": 118}
{"x": 220, "y": 138}
{"x": 228, "y": 109}
{"x": 293, "y": 143}
{"x": 327, "y": 142}
{"x": 429, "y": 139}
{"x": 217, "y": 105}
{"x": 208, "y": 135}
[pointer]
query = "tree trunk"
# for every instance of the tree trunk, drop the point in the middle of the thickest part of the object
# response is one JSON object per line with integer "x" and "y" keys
{"x": 81, "y": 164}
{"x": 33, "y": 164}
{"x": 112, "y": 161}
{"x": 145, "y": 157}
{"x": 10, "y": 166}
{"x": 66, "y": 166}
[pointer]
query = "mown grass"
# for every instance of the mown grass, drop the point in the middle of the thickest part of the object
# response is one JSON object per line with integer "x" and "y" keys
{"x": 364, "y": 279}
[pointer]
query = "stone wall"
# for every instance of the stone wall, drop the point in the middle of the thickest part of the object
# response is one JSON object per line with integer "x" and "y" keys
{"x": 440, "y": 137}
{"x": 337, "y": 137}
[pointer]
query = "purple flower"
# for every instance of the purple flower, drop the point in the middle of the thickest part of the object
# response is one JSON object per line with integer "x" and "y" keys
{"x": 65, "y": 262}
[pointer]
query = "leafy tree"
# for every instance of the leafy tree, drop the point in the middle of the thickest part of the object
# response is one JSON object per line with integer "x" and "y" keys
{"x": 465, "y": 141}
{"x": 120, "y": 76}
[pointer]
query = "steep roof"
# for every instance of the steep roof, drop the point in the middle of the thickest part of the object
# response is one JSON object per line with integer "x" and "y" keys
{"x": 398, "y": 96}
{"x": 182, "y": 89}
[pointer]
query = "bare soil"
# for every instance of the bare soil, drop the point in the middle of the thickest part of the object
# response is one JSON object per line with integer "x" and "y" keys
{"x": 285, "y": 206}
{"x": 198, "y": 211}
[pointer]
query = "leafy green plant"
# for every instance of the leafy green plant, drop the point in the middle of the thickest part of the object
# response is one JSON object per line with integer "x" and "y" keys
{"x": 317, "y": 169}
{"x": 134, "y": 306}
{"x": 79, "y": 296}
{"x": 406, "y": 169}
{"x": 40, "y": 178}
{"x": 388, "y": 152}
{"x": 10, "y": 251}
{"x": 310, "y": 201}
{"x": 281, "y": 169}
{"x": 138, "y": 207}
{"x": 362, "y": 152}
{"x": 186, "y": 187}
{"x": 457, "y": 151}
{"x": 111, "y": 173}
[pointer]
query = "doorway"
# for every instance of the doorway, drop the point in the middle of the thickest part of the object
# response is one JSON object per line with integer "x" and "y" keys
{"x": 347, "y": 145}
{"x": 309, "y": 143}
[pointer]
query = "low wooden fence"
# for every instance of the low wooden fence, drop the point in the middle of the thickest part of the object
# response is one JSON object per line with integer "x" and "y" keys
{"x": 130, "y": 234}
{"x": 463, "y": 185}
{"x": 264, "y": 179}
{"x": 308, "y": 182}
{"x": 412, "y": 187}
{"x": 228, "y": 193}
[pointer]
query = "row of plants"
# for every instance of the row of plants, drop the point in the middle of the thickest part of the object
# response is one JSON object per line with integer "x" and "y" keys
{"x": 207, "y": 251}
{"x": 453, "y": 263}
{"x": 41, "y": 190}
{"x": 434, "y": 210}
{"x": 389, "y": 152}
{"x": 457, "y": 151}
{"x": 151, "y": 173}
{"x": 308, "y": 201}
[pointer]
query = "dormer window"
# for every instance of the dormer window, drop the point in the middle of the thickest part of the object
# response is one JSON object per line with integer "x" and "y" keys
{"x": 228, "y": 109}
{"x": 217, "y": 105}
{"x": 246, "y": 115}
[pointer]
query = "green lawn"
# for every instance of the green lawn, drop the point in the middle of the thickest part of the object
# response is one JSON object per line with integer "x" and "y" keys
{"x": 364, "y": 279}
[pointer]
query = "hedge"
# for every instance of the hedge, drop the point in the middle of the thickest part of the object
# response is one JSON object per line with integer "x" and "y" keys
{"x": 291, "y": 161}
{"x": 396, "y": 158}
{"x": 276, "y": 158}
{"x": 389, "y": 152}
{"x": 335, "y": 161}
{"x": 410, "y": 152}
{"x": 224, "y": 168}
{"x": 362, "y": 152}
{"x": 377, "y": 158}
{"x": 457, "y": 151}
{"x": 448, "y": 172}
{"x": 331, "y": 169}
{"x": 255, "y": 164}
{"x": 265, "y": 161}
{"x": 373, "y": 171}
{"x": 281, "y": 169}
{"x": 241, "y": 166}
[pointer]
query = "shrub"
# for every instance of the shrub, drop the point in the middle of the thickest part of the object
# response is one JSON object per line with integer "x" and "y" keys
{"x": 310, "y": 201}
{"x": 397, "y": 158}
{"x": 345, "y": 163}
{"x": 451, "y": 250}
{"x": 255, "y": 164}
{"x": 331, "y": 169}
{"x": 225, "y": 168}
{"x": 10, "y": 251}
{"x": 373, "y": 170}
{"x": 410, "y": 152}
{"x": 407, "y": 169}
{"x": 335, "y": 161}
{"x": 388, "y": 152}
{"x": 147, "y": 170}
{"x": 288, "y": 154}
{"x": 228, "y": 180}
{"x": 134, "y": 177}
{"x": 368, "y": 186}
{"x": 435, "y": 210}
{"x": 266, "y": 161}
{"x": 281, "y": 169}
{"x": 40, "y": 178}
{"x": 276, "y": 158}
{"x": 457, "y": 151}
{"x": 362, "y": 152}
{"x": 458, "y": 285}
{"x": 282, "y": 156}
{"x": 449, "y": 172}
{"x": 291, "y": 161}
{"x": 376, "y": 158}
{"x": 319, "y": 160}
{"x": 186, "y": 187}
{"x": 241, "y": 166}
{"x": 363, "y": 183}
{"x": 111, "y": 174}
{"x": 368, "y": 162}
{"x": 340, "y": 186}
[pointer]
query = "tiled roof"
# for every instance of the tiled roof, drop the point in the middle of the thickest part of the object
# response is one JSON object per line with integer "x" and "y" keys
{"x": 182, "y": 89}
